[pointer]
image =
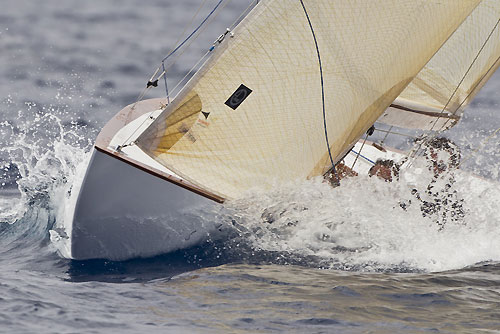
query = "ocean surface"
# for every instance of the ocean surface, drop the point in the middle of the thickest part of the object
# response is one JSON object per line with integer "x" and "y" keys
{"x": 305, "y": 258}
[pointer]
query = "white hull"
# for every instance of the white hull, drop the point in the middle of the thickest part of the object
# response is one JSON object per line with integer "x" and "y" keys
{"x": 123, "y": 212}
{"x": 130, "y": 206}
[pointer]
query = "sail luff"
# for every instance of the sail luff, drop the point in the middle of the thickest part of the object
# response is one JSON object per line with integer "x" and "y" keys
{"x": 262, "y": 90}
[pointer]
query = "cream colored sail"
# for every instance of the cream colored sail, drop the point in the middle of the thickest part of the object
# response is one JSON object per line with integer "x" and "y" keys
{"x": 370, "y": 51}
{"x": 476, "y": 42}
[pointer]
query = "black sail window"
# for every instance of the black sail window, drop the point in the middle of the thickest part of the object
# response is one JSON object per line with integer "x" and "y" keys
{"x": 238, "y": 97}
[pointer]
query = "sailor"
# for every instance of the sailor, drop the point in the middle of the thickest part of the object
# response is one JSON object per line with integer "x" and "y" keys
{"x": 341, "y": 172}
{"x": 385, "y": 169}
{"x": 440, "y": 200}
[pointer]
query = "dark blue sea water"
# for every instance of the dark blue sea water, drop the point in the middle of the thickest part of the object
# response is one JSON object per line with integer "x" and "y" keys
{"x": 342, "y": 260}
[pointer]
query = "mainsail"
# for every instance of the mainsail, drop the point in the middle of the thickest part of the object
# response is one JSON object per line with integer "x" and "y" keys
{"x": 295, "y": 74}
{"x": 436, "y": 98}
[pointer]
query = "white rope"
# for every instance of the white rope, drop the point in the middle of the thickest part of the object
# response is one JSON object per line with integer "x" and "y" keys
{"x": 387, "y": 132}
{"x": 191, "y": 70}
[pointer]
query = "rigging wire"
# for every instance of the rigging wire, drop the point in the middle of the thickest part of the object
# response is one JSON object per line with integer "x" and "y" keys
{"x": 153, "y": 82}
{"x": 151, "y": 113}
{"x": 463, "y": 101}
{"x": 191, "y": 70}
{"x": 178, "y": 55}
{"x": 472, "y": 91}
{"x": 166, "y": 85}
{"x": 465, "y": 75}
{"x": 359, "y": 153}
{"x": 386, "y": 134}
{"x": 461, "y": 104}
{"x": 322, "y": 92}
{"x": 417, "y": 149}
{"x": 193, "y": 32}
{"x": 202, "y": 4}
{"x": 253, "y": 3}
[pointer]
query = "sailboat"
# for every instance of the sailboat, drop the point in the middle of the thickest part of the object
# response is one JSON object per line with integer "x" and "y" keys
{"x": 285, "y": 95}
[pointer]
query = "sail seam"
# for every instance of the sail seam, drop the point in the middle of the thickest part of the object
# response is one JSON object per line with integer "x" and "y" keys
{"x": 322, "y": 88}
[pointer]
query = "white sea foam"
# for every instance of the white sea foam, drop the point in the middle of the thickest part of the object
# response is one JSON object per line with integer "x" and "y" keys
{"x": 362, "y": 224}
{"x": 10, "y": 207}
{"x": 49, "y": 170}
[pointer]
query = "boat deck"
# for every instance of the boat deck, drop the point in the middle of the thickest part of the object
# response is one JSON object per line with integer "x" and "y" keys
{"x": 125, "y": 127}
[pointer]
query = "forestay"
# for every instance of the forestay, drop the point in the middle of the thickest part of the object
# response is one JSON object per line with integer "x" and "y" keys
{"x": 436, "y": 98}
{"x": 253, "y": 115}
